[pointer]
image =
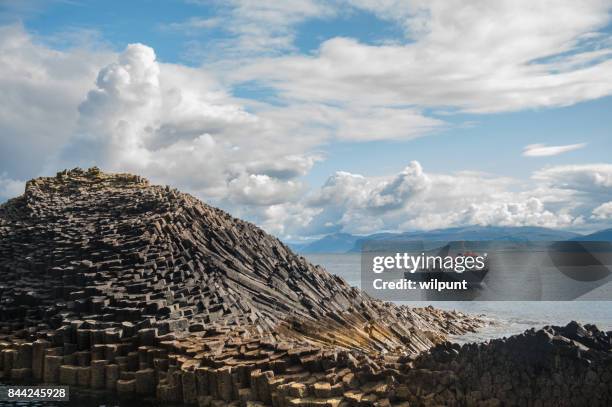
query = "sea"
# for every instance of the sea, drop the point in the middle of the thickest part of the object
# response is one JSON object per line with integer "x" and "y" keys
{"x": 504, "y": 318}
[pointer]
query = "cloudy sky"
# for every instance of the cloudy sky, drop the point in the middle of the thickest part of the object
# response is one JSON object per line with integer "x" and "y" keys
{"x": 311, "y": 117}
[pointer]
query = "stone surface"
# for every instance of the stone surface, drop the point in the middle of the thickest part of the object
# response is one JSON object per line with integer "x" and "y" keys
{"x": 109, "y": 282}
{"x": 91, "y": 259}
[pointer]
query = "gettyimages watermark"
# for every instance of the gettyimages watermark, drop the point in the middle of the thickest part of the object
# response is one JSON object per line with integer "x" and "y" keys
{"x": 394, "y": 270}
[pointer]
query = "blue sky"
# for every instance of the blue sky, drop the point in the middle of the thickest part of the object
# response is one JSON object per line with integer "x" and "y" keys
{"x": 311, "y": 117}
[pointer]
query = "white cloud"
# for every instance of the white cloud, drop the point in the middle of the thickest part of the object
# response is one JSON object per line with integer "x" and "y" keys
{"x": 181, "y": 126}
{"x": 178, "y": 126}
{"x": 530, "y": 212}
{"x": 10, "y": 188}
{"x": 285, "y": 167}
{"x": 287, "y": 218}
{"x": 542, "y": 150}
{"x": 414, "y": 199}
{"x": 592, "y": 179}
{"x": 380, "y": 123}
{"x": 478, "y": 57}
{"x": 353, "y": 122}
{"x": 393, "y": 194}
{"x": 128, "y": 112}
{"x": 257, "y": 27}
{"x": 193, "y": 25}
{"x": 263, "y": 190}
{"x": 603, "y": 211}
{"x": 41, "y": 89}
{"x": 461, "y": 57}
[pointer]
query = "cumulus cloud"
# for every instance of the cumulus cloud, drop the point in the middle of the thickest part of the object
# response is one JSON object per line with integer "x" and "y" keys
{"x": 289, "y": 166}
{"x": 258, "y": 189}
{"x": 542, "y": 150}
{"x": 182, "y": 126}
{"x": 41, "y": 89}
{"x": 10, "y": 188}
{"x": 399, "y": 189}
{"x": 577, "y": 196}
{"x": 603, "y": 211}
{"x": 587, "y": 178}
{"x": 530, "y": 212}
{"x": 129, "y": 112}
{"x": 291, "y": 220}
{"x": 178, "y": 126}
{"x": 414, "y": 199}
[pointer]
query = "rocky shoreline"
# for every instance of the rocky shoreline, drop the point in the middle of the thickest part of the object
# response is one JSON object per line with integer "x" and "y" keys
{"x": 554, "y": 366}
{"x": 109, "y": 283}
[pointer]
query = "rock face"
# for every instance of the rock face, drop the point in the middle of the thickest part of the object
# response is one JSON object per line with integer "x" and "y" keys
{"x": 130, "y": 256}
{"x": 109, "y": 282}
{"x": 556, "y": 366}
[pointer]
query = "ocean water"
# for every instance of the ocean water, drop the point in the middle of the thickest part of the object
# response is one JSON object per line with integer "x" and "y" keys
{"x": 505, "y": 317}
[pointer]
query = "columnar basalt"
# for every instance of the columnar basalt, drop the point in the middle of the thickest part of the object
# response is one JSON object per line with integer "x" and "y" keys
{"x": 553, "y": 366}
{"x": 110, "y": 282}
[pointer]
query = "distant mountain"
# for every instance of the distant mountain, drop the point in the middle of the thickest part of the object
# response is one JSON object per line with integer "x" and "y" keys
{"x": 477, "y": 233}
{"x": 344, "y": 242}
{"x": 602, "y": 235}
{"x": 335, "y": 243}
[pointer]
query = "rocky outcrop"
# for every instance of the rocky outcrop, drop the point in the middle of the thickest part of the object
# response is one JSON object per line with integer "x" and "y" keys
{"x": 553, "y": 366}
{"x": 113, "y": 249}
{"x": 108, "y": 282}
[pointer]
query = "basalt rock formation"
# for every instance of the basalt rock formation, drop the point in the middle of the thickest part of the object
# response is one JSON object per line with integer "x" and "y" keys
{"x": 553, "y": 366}
{"x": 109, "y": 282}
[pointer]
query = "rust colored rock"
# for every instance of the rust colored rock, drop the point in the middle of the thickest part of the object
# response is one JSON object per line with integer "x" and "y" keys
{"x": 322, "y": 390}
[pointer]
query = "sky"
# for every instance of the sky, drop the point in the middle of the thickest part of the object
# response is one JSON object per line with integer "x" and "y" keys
{"x": 313, "y": 117}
